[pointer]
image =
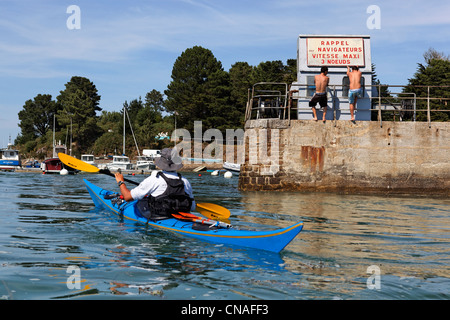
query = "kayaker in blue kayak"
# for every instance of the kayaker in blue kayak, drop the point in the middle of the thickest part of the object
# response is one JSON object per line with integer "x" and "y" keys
{"x": 165, "y": 192}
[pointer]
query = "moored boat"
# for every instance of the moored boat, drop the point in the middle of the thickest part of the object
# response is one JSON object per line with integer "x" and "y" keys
{"x": 51, "y": 165}
{"x": 120, "y": 162}
{"x": 9, "y": 158}
{"x": 54, "y": 165}
{"x": 88, "y": 158}
{"x": 32, "y": 164}
{"x": 235, "y": 167}
{"x": 272, "y": 240}
{"x": 145, "y": 163}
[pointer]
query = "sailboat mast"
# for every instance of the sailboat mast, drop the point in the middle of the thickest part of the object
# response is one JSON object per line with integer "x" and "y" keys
{"x": 123, "y": 153}
{"x": 54, "y": 152}
{"x": 71, "y": 133}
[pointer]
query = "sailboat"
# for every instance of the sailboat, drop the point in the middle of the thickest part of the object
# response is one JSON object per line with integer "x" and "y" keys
{"x": 122, "y": 162}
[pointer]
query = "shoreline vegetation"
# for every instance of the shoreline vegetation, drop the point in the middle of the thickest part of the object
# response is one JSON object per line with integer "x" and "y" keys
{"x": 200, "y": 90}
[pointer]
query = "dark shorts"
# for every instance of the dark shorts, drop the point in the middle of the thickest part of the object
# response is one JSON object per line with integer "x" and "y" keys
{"x": 319, "y": 98}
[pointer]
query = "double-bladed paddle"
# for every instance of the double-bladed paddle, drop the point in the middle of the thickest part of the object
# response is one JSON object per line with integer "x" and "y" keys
{"x": 209, "y": 210}
{"x": 86, "y": 167}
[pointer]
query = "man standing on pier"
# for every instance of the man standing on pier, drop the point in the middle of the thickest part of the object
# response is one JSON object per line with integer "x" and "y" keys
{"x": 355, "y": 89}
{"x": 321, "y": 82}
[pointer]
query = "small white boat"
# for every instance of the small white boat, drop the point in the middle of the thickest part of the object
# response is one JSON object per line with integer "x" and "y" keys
{"x": 232, "y": 166}
{"x": 145, "y": 163}
{"x": 88, "y": 158}
{"x": 120, "y": 162}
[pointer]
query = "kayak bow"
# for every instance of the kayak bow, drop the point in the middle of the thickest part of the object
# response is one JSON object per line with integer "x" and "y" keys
{"x": 272, "y": 240}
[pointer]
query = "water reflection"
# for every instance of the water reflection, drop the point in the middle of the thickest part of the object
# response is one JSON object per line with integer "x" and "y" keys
{"x": 406, "y": 236}
{"x": 169, "y": 261}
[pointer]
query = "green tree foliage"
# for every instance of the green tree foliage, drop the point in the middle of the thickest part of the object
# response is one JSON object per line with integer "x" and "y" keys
{"x": 275, "y": 71}
{"x": 110, "y": 124}
{"x": 108, "y": 143}
{"x": 434, "y": 73}
{"x": 199, "y": 90}
{"x": 133, "y": 108}
{"x": 290, "y": 71}
{"x": 149, "y": 117}
{"x": 268, "y": 71}
{"x": 78, "y": 106}
{"x": 146, "y": 121}
{"x": 382, "y": 92}
{"x": 110, "y": 121}
{"x": 219, "y": 113}
{"x": 240, "y": 82}
{"x": 36, "y": 117}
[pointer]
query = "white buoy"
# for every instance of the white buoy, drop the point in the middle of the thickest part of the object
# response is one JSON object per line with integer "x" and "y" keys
{"x": 228, "y": 174}
{"x": 215, "y": 173}
{"x": 64, "y": 172}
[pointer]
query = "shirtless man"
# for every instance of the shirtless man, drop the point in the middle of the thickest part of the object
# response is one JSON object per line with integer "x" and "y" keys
{"x": 321, "y": 81}
{"x": 355, "y": 88}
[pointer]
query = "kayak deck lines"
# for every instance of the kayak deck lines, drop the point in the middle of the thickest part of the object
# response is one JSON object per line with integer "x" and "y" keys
{"x": 270, "y": 240}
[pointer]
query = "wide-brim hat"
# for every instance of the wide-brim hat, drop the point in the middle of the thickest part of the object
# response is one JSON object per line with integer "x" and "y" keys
{"x": 169, "y": 160}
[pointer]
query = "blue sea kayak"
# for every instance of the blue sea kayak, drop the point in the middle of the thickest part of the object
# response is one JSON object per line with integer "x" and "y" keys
{"x": 273, "y": 240}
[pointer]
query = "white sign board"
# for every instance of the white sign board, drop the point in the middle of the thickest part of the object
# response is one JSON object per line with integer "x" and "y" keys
{"x": 335, "y": 52}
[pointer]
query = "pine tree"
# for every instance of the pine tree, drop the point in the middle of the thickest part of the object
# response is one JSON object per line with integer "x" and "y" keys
{"x": 434, "y": 73}
{"x": 79, "y": 103}
{"x": 199, "y": 91}
{"x": 240, "y": 81}
{"x": 36, "y": 117}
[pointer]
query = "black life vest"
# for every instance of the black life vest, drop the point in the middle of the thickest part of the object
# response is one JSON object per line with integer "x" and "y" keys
{"x": 173, "y": 200}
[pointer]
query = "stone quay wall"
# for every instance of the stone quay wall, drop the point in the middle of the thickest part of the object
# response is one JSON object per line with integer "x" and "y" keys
{"x": 344, "y": 157}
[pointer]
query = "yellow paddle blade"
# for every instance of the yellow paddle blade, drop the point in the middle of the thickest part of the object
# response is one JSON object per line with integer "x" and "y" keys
{"x": 77, "y": 164}
{"x": 213, "y": 210}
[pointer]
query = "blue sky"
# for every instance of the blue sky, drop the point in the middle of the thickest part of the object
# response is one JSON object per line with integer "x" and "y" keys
{"x": 128, "y": 48}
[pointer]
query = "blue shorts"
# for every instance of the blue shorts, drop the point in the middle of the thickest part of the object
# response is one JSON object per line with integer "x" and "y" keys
{"x": 353, "y": 94}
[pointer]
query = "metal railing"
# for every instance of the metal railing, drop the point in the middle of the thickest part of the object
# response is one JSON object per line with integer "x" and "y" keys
{"x": 277, "y": 100}
{"x": 270, "y": 99}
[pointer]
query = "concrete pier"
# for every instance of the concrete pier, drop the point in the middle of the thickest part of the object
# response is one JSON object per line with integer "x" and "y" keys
{"x": 340, "y": 156}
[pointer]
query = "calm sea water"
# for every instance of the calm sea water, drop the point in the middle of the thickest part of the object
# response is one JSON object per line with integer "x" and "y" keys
{"x": 352, "y": 247}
